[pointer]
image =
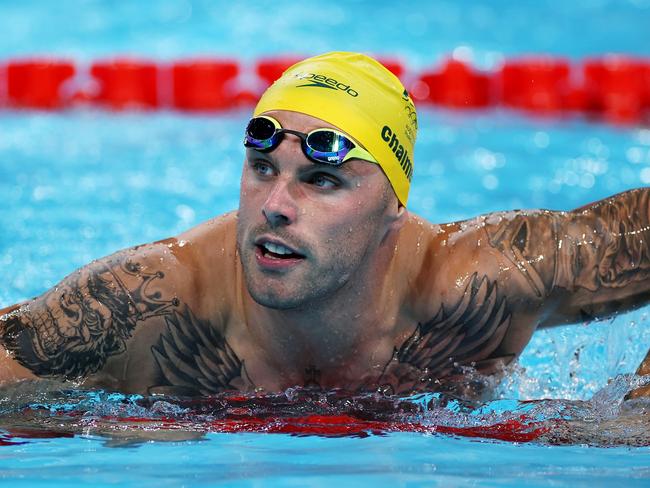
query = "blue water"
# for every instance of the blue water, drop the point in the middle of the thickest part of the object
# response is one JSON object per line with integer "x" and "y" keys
{"x": 420, "y": 31}
{"x": 266, "y": 460}
{"x": 78, "y": 185}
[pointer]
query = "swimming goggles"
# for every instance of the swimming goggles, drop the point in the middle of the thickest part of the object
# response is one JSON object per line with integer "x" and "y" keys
{"x": 327, "y": 146}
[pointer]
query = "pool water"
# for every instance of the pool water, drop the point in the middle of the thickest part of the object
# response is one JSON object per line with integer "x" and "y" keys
{"x": 78, "y": 185}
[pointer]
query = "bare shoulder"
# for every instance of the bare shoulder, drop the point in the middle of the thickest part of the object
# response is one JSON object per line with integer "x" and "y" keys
{"x": 221, "y": 229}
{"x": 457, "y": 304}
{"x": 209, "y": 252}
{"x": 510, "y": 248}
{"x": 123, "y": 320}
{"x": 469, "y": 293}
{"x": 440, "y": 258}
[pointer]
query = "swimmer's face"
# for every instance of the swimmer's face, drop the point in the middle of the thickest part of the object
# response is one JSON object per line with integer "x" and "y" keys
{"x": 306, "y": 230}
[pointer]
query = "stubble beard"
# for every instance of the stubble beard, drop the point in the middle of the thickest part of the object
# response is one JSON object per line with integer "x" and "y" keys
{"x": 306, "y": 292}
{"x": 298, "y": 289}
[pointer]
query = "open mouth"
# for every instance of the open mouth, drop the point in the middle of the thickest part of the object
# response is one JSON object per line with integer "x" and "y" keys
{"x": 272, "y": 250}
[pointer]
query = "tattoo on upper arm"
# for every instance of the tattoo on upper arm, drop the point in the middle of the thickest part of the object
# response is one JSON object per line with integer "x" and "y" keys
{"x": 609, "y": 244}
{"x": 195, "y": 359}
{"x": 605, "y": 245}
{"x": 524, "y": 241}
{"x": 74, "y": 328}
{"x": 463, "y": 334}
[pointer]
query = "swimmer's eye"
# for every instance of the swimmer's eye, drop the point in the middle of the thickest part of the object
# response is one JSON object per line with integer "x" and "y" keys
{"x": 262, "y": 168}
{"x": 322, "y": 180}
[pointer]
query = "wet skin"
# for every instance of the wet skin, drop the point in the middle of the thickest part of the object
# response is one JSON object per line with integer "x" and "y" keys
{"x": 322, "y": 279}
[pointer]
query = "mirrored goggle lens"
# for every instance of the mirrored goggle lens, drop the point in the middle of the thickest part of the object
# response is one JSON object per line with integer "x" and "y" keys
{"x": 260, "y": 133}
{"x": 328, "y": 141}
{"x": 328, "y": 146}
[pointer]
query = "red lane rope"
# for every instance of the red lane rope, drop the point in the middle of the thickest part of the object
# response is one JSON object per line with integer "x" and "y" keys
{"x": 615, "y": 88}
{"x": 512, "y": 430}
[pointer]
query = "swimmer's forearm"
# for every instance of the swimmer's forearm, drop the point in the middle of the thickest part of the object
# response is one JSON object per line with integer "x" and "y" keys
{"x": 609, "y": 243}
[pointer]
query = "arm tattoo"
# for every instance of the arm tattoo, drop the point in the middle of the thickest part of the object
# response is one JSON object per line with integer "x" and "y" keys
{"x": 465, "y": 334}
{"x": 523, "y": 241}
{"x": 71, "y": 330}
{"x": 616, "y": 252}
{"x": 602, "y": 246}
{"x": 194, "y": 359}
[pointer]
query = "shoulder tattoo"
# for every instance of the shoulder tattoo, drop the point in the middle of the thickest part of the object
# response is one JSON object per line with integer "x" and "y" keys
{"x": 604, "y": 245}
{"x": 527, "y": 242}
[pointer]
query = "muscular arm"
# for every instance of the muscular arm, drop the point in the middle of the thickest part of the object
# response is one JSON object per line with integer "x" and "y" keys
{"x": 588, "y": 263}
{"x": 144, "y": 320}
{"x": 72, "y": 330}
{"x": 488, "y": 283}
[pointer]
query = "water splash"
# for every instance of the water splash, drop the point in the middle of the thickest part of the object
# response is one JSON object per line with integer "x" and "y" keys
{"x": 32, "y": 411}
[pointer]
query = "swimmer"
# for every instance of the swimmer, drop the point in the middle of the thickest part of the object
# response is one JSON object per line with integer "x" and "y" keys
{"x": 322, "y": 278}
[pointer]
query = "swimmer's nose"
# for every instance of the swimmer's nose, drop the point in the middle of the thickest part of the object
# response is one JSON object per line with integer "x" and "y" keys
{"x": 280, "y": 208}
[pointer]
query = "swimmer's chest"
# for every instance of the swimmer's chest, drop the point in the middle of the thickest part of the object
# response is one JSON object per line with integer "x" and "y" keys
{"x": 185, "y": 355}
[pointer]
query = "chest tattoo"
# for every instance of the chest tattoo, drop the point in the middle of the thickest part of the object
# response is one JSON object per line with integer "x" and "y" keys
{"x": 463, "y": 334}
{"x": 195, "y": 359}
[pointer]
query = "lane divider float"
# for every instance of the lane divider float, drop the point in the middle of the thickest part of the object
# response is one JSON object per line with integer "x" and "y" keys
{"x": 615, "y": 88}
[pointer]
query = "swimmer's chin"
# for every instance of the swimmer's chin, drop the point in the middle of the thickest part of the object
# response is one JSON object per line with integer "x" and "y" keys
{"x": 277, "y": 303}
{"x": 285, "y": 300}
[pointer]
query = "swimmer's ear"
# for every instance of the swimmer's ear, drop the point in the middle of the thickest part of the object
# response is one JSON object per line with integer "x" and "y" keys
{"x": 401, "y": 214}
{"x": 397, "y": 216}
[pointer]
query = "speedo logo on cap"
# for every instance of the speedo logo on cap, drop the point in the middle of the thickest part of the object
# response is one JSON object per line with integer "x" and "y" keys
{"x": 401, "y": 154}
{"x": 322, "y": 81}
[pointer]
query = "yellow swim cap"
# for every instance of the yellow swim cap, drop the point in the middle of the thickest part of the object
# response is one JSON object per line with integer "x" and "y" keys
{"x": 359, "y": 96}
